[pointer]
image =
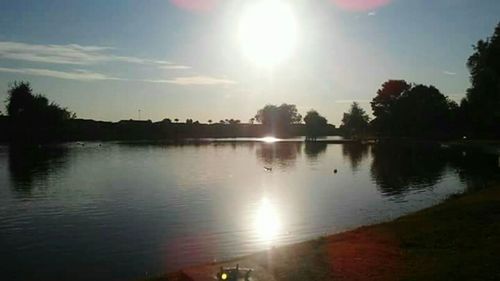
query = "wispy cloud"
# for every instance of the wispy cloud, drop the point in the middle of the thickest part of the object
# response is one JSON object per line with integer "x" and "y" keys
{"x": 81, "y": 75}
{"x": 73, "y": 54}
{"x": 195, "y": 80}
{"x": 372, "y": 13}
{"x": 351, "y": 101}
{"x": 175, "y": 66}
{"x": 449, "y": 72}
{"x": 85, "y": 75}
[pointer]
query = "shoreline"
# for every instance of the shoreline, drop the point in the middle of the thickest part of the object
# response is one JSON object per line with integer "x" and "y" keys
{"x": 457, "y": 239}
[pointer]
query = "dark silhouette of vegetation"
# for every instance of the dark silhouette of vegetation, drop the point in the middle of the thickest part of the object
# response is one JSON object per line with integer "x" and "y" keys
{"x": 384, "y": 102}
{"x": 410, "y": 110}
{"x": 316, "y": 125}
{"x": 355, "y": 122}
{"x": 480, "y": 109}
{"x": 32, "y": 117}
{"x": 277, "y": 119}
{"x": 404, "y": 109}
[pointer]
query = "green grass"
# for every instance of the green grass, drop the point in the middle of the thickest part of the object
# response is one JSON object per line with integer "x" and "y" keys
{"x": 457, "y": 240}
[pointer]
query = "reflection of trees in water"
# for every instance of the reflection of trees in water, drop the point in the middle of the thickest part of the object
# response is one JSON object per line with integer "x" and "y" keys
{"x": 314, "y": 149}
{"x": 355, "y": 152}
{"x": 283, "y": 154}
{"x": 28, "y": 164}
{"x": 475, "y": 167}
{"x": 398, "y": 168}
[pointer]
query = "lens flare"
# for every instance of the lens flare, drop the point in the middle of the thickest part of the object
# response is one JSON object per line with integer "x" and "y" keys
{"x": 360, "y": 5}
{"x": 195, "y": 5}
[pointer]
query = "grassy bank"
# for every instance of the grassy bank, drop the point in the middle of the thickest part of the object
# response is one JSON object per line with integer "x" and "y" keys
{"x": 456, "y": 240}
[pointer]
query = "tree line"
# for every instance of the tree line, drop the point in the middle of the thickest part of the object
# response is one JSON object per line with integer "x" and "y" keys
{"x": 400, "y": 109}
{"x": 403, "y": 109}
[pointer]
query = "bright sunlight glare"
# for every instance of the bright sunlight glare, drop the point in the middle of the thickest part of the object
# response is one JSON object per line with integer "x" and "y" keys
{"x": 269, "y": 139}
{"x": 267, "y": 222}
{"x": 267, "y": 32}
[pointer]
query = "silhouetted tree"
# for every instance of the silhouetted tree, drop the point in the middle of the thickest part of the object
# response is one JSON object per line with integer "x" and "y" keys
{"x": 383, "y": 103}
{"x": 232, "y": 121}
{"x": 252, "y": 120}
{"x": 403, "y": 109}
{"x": 167, "y": 120}
{"x": 32, "y": 117}
{"x": 422, "y": 111}
{"x": 481, "y": 107}
{"x": 209, "y": 121}
{"x": 315, "y": 124}
{"x": 278, "y": 119}
{"x": 176, "y": 120}
{"x": 355, "y": 121}
{"x": 189, "y": 121}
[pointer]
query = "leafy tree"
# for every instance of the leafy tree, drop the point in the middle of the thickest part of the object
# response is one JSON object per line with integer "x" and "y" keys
{"x": 232, "y": 121}
{"x": 356, "y": 120}
{"x": 277, "y": 119}
{"x": 383, "y": 103}
{"x": 32, "y": 116}
{"x": 481, "y": 106}
{"x": 422, "y": 111}
{"x": 315, "y": 124}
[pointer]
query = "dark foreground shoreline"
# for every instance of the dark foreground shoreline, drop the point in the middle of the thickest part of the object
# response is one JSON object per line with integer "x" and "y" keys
{"x": 458, "y": 239}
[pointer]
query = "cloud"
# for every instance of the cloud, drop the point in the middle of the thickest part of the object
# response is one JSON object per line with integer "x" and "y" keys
{"x": 372, "y": 13}
{"x": 351, "y": 101}
{"x": 73, "y": 54}
{"x": 85, "y": 75}
{"x": 195, "y": 80}
{"x": 449, "y": 72}
{"x": 81, "y": 75}
{"x": 175, "y": 66}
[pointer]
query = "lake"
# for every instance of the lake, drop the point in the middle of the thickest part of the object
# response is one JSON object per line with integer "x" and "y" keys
{"x": 116, "y": 211}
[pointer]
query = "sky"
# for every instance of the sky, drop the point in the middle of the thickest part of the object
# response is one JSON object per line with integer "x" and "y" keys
{"x": 107, "y": 60}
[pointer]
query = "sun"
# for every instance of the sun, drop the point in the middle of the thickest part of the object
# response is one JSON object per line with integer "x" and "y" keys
{"x": 267, "y": 32}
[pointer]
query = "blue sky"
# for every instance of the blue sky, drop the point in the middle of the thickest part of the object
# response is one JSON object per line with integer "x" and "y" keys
{"x": 107, "y": 59}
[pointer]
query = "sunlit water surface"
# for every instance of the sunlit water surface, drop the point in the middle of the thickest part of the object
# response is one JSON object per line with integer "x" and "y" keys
{"x": 110, "y": 211}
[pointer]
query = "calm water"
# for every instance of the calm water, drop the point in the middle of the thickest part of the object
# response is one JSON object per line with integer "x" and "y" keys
{"x": 109, "y": 211}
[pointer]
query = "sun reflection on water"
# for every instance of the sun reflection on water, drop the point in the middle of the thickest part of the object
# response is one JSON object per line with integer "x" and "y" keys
{"x": 269, "y": 139}
{"x": 267, "y": 221}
